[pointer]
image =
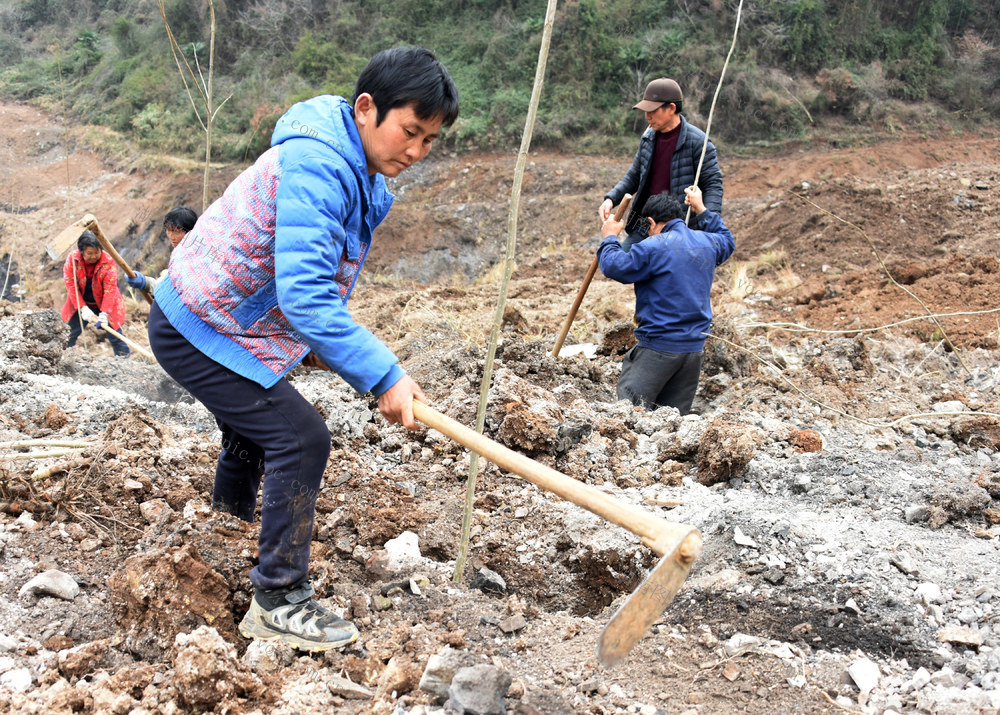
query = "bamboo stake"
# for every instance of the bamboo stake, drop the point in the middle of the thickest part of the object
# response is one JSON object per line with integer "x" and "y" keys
{"x": 19, "y": 456}
{"x": 515, "y": 202}
{"x": 571, "y": 316}
{"x": 711, "y": 111}
{"x": 24, "y": 444}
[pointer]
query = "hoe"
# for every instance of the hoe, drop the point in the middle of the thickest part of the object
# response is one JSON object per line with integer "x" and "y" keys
{"x": 678, "y": 545}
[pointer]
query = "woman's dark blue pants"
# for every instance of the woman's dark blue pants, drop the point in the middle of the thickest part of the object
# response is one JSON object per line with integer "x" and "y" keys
{"x": 271, "y": 433}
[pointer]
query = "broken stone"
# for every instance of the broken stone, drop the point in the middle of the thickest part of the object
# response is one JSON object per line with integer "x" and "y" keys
{"x": 83, "y": 659}
{"x": 741, "y": 643}
{"x": 742, "y": 539}
{"x": 345, "y": 688}
{"x": 916, "y": 513}
{"x": 960, "y": 635}
{"x": 488, "y": 581}
{"x": 929, "y": 593}
{"x": 513, "y": 624}
{"x": 152, "y": 510}
{"x": 774, "y": 576}
{"x": 17, "y": 680}
{"x": 206, "y": 670}
{"x": 26, "y": 522}
{"x": 441, "y": 668}
{"x": 479, "y": 690}
{"x": 359, "y": 606}
{"x": 399, "y": 677}
{"x": 806, "y": 440}
{"x": 865, "y": 674}
{"x": 731, "y": 672}
{"x": 51, "y": 583}
{"x": 904, "y": 563}
{"x": 918, "y": 681}
{"x": 399, "y": 556}
{"x": 268, "y": 656}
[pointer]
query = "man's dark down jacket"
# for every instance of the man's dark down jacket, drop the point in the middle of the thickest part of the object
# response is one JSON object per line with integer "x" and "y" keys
{"x": 682, "y": 169}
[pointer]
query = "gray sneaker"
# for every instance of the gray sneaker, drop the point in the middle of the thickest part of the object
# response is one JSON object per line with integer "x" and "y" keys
{"x": 292, "y": 616}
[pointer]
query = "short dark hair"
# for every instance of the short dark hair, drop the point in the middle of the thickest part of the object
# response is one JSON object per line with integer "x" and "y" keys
{"x": 663, "y": 207}
{"x": 677, "y": 106}
{"x": 87, "y": 240}
{"x": 181, "y": 217}
{"x": 409, "y": 75}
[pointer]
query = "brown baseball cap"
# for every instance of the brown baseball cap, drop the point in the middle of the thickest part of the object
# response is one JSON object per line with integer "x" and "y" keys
{"x": 658, "y": 92}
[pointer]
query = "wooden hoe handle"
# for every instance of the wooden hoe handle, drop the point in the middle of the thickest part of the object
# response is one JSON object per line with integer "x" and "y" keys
{"x": 619, "y": 212}
{"x": 103, "y": 240}
{"x": 678, "y": 544}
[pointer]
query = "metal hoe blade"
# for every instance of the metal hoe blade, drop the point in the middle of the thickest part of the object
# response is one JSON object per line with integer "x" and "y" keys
{"x": 647, "y": 603}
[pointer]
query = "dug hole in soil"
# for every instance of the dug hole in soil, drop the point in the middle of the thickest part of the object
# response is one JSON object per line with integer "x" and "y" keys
{"x": 848, "y": 566}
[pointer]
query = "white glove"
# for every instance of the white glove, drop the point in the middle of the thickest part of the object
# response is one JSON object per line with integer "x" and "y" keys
{"x": 87, "y": 314}
{"x": 102, "y": 320}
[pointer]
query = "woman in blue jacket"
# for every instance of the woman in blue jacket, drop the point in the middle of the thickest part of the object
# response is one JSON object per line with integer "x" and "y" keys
{"x": 262, "y": 281}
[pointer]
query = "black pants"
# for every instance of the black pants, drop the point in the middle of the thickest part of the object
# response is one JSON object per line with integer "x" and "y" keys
{"x": 652, "y": 379}
{"x": 272, "y": 433}
{"x": 119, "y": 346}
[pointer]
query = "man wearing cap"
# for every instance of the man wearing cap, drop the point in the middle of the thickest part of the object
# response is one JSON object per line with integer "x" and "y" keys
{"x": 668, "y": 156}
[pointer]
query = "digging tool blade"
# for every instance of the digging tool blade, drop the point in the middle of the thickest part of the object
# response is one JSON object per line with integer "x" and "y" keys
{"x": 678, "y": 544}
{"x": 67, "y": 237}
{"x": 647, "y": 603}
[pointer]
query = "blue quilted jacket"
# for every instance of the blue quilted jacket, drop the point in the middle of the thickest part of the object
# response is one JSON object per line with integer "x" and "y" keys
{"x": 264, "y": 276}
{"x": 672, "y": 273}
{"x": 682, "y": 169}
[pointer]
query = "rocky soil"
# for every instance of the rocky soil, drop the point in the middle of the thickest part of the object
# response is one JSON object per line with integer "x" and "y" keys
{"x": 845, "y": 475}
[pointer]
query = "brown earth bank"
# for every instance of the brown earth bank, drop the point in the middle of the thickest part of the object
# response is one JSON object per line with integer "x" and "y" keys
{"x": 842, "y": 462}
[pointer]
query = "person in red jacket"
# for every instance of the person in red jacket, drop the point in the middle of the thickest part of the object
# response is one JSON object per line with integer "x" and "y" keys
{"x": 92, "y": 292}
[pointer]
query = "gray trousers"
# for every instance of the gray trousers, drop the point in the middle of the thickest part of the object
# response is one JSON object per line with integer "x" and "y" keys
{"x": 652, "y": 379}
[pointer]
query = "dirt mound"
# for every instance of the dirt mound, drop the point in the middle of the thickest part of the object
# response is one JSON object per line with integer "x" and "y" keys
{"x": 164, "y": 592}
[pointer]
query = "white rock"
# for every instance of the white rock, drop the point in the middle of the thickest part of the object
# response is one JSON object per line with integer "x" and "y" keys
{"x": 18, "y": 680}
{"x": 929, "y": 593}
{"x": 267, "y": 656}
{"x": 588, "y": 350}
{"x": 741, "y": 643}
{"x": 918, "y": 681}
{"x": 949, "y": 406}
{"x": 51, "y": 583}
{"x": 865, "y": 674}
{"x": 742, "y": 539}
{"x": 26, "y": 522}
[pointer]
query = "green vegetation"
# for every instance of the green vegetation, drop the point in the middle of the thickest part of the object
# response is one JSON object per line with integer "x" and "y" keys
{"x": 801, "y": 66}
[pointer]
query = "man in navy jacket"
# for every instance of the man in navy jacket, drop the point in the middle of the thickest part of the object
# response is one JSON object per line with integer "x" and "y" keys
{"x": 672, "y": 272}
{"x": 667, "y": 160}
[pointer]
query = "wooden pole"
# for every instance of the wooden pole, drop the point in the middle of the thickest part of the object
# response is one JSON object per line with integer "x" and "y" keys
{"x": 622, "y": 208}
{"x": 103, "y": 240}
